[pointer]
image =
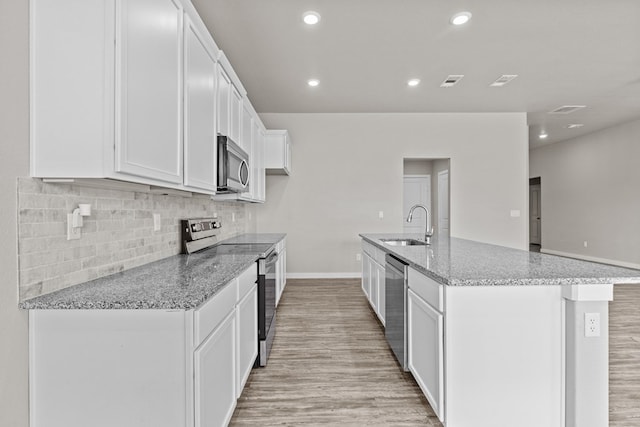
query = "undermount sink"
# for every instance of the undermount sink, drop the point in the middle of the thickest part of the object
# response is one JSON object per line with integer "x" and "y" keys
{"x": 404, "y": 242}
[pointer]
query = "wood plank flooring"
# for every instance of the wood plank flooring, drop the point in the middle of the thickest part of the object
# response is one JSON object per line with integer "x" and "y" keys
{"x": 330, "y": 364}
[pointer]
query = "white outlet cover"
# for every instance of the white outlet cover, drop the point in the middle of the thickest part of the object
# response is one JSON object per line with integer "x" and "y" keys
{"x": 515, "y": 213}
{"x": 381, "y": 214}
{"x": 73, "y": 233}
{"x": 157, "y": 224}
{"x": 592, "y": 324}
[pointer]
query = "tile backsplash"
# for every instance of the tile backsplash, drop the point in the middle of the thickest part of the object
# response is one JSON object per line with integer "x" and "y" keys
{"x": 117, "y": 236}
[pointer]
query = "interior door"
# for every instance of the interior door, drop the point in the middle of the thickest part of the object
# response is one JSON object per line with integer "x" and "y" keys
{"x": 416, "y": 190}
{"x": 443, "y": 203}
{"x": 534, "y": 214}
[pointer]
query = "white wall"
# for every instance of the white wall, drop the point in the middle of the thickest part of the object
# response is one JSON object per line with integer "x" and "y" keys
{"x": 347, "y": 167}
{"x": 591, "y": 191}
{"x": 14, "y": 162}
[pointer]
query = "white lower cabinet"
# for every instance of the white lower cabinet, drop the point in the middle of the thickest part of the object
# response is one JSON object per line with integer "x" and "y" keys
{"x": 366, "y": 275}
{"x": 144, "y": 368}
{"x": 281, "y": 269}
{"x": 425, "y": 336}
{"x": 247, "y": 321}
{"x": 215, "y": 380}
{"x": 373, "y": 277}
{"x": 380, "y": 307}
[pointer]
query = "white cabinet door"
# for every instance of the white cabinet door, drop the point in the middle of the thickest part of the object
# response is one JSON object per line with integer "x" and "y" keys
{"x": 425, "y": 350}
{"x": 366, "y": 274}
{"x": 247, "y": 321}
{"x": 246, "y": 136}
{"x": 381, "y": 290}
{"x": 235, "y": 114}
{"x": 373, "y": 290}
{"x": 200, "y": 110}
{"x": 215, "y": 375}
{"x": 223, "y": 98}
{"x": 149, "y": 89}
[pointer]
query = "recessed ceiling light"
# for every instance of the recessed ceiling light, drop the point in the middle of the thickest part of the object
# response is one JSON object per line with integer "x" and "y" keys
{"x": 543, "y": 135}
{"x": 460, "y": 18}
{"x": 311, "y": 17}
{"x": 313, "y": 82}
{"x": 413, "y": 82}
{"x": 575, "y": 125}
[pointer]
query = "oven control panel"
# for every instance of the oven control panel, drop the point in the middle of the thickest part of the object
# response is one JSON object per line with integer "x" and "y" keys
{"x": 199, "y": 233}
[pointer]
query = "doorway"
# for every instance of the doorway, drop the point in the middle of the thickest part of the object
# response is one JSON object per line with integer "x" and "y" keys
{"x": 426, "y": 182}
{"x": 535, "y": 215}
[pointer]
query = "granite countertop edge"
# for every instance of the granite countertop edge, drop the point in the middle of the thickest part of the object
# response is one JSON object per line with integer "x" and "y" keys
{"x": 96, "y": 295}
{"x": 374, "y": 239}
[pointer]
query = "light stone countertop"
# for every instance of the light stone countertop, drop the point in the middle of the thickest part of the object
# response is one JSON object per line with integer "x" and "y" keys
{"x": 177, "y": 282}
{"x": 460, "y": 262}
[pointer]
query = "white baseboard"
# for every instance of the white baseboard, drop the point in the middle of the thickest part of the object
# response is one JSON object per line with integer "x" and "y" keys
{"x": 591, "y": 258}
{"x": 356, "y": 275}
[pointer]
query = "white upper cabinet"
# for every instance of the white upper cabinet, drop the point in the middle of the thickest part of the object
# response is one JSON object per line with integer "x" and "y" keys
{"x": 199, "y": 111}
{"x": 277, "y": 159}
{"x": 149, "y": 89}
{"x": 230, "y": 94}
{"x": 252, "y": 141}
{"x": 137, "y": 92}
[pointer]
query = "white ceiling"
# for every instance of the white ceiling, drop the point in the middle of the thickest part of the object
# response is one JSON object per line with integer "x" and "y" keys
{"x": 565, "y": 52}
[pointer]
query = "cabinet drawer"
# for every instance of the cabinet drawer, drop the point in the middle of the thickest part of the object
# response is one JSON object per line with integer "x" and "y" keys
{"x": 214, "y": 311}
{"x": 379, "y": 256}
{"x": 246, "y": 280}
{"x": 427, "y": 288}
{"x": 369, "y": 249}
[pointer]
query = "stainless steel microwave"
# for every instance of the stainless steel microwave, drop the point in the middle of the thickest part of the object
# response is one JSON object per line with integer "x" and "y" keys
{"x": 233, "y": 167}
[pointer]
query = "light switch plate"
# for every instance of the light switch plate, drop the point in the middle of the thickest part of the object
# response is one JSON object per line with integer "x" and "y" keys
{"x": 157, "y": 224}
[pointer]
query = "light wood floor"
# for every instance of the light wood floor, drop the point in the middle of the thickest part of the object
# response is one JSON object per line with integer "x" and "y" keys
{"x": 330, "y": 364}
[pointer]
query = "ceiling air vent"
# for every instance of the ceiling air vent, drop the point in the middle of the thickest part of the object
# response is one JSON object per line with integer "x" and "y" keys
{"x": 566, "y": 109}
{"x": 503, "y": 80}
{"x": 451, "y": 80}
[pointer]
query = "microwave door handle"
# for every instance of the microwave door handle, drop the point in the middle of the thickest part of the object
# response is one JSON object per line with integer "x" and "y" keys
{"x": 243, "y": 163}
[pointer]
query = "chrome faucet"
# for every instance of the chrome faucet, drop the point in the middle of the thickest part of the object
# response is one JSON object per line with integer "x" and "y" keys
{"x": 428, "y": 230}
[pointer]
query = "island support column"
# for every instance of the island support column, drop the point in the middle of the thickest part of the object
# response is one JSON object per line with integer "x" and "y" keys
{"x": 587, "y": 355}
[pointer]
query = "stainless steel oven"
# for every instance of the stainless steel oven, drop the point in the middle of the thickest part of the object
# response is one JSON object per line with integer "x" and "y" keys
{"x": 266, "y": 305}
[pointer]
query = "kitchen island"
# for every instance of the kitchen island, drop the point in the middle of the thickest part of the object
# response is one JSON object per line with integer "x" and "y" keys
{"x": 497, "y": 336}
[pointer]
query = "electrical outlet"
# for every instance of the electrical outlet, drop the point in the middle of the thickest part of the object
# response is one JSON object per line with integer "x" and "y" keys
{"x": 592, "y": 324}
{"x": 233, "y": 217}
{"x": 381, "y": 214}
{"x": 585, "y": 243}
{"x": 73, "y": 233}
{"x": 358, "y": 257}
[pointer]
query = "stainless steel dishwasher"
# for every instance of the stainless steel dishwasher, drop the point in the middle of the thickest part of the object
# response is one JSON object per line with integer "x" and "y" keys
{"x": 395, "y": 292}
